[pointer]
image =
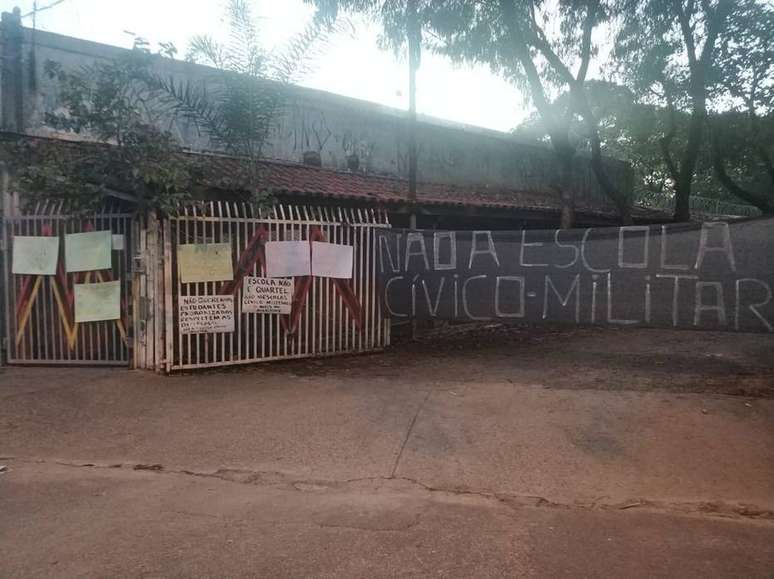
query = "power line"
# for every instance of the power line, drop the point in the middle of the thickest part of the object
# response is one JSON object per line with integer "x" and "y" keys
{"x": 35, "y": 9}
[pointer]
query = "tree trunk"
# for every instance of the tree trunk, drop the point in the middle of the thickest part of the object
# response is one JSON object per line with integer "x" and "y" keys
{"x": 414, "y": 42}
{"x": 565, "y": 154}
{"x": 690, "y": 157}
{"x": 620, "y": 199}
{"x": 563, "y": 150}
{"x": 682, "y": 200}
{"x": 697, "y": 90}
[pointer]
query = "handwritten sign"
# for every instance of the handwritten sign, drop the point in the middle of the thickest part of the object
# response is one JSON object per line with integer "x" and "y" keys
{"x": 711, "y": 276}
{"x": 201, "y": 262}
{"x": 95, "y": 302}
{"x": 206, "y": 314}
{"x": 266, "y": 295}
{"x": 35, "y": 255}
{"x": 287, "y": 258}
{"x": 332, "y": 260}
{"x": 88, "y": 251}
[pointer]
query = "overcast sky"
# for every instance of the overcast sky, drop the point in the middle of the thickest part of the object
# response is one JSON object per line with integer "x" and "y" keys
{"x": 352, "y": 66}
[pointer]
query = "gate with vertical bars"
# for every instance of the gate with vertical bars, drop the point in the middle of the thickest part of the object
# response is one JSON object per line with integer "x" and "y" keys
{"x": 40, "y": 326}
{"x": 329, "y": 316}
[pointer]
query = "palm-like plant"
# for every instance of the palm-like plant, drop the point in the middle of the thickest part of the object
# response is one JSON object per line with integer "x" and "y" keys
{"x": 238, "y": 107}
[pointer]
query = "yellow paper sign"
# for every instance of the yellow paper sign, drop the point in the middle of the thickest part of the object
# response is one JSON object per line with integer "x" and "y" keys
{"x": 35, "y": 255}
{"x": 200, "y": 262}
{"x": 95, "y": 302}
{"x": 88, "y": 251}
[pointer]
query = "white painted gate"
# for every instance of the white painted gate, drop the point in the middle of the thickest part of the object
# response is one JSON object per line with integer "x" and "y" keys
{"x": 329, "y": 316}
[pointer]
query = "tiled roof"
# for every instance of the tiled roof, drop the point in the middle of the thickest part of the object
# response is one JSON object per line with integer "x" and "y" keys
{"x": 308, "y": 181}
{"x": 295, "y": 179}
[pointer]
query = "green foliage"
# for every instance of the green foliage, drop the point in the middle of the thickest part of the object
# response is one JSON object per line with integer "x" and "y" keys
{"x": 743, "y": 127}
{"x": 236, "y": 107}
{"x": 127, "y": 104}
{"x": 633, "y": 131}
{"x": 543, "y": 47}
{"x": 131, "y": 158}
{"x": 679, "y": 61}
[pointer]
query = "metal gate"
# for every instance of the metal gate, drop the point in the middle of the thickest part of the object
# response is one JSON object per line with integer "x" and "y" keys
{"x": 329, "y": 316}
{"x": 39, "y": 310}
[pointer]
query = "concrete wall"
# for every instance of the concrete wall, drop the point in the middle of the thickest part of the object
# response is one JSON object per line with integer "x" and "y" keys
{"x": 332, "y": 125}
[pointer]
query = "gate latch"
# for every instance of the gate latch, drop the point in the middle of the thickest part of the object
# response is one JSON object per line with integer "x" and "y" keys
{"x": 144, "y": 307}
{"x": 138, "y": 264}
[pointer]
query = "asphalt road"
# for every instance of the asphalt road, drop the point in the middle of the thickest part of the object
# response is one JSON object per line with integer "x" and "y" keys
{"x": 567, "y": 454}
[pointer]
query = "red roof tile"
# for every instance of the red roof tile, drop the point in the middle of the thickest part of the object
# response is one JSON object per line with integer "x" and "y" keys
{"x": 306, "y": 180}
{"x": 295, "y": 179}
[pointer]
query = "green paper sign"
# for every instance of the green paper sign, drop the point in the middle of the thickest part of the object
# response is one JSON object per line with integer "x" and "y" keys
{"x": 89, "y": 251}
{"x": 95, "y": 302}
{"x": 35, "y": 255}
{"x": 199, "y": 262}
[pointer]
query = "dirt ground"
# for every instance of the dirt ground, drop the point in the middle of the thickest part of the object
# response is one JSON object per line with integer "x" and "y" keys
{"x": 500, "y": 452}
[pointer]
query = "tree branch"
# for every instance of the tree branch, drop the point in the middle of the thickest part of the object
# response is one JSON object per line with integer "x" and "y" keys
{"x": 685, "y": 28}
{"x": 588, "y": 28}
{"x": 758, "y": 200}
{"x": 716, "y": 23}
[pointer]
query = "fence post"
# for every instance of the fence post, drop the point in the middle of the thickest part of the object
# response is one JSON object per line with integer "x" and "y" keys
{"x": 138, "y": 293}
{"x": 169, "y": 336}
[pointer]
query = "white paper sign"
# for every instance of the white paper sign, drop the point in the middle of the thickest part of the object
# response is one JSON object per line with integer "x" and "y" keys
{"x": 267, "y": 295}
{"x": 332, "y": 260}
{"x": 35, "y": 255}
{"x": 118, "y": 242}
{"x": 287, "y": 258}
{"x": 206, "y": 314}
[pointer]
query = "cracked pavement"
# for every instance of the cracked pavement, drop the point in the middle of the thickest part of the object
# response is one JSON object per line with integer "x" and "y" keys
{"x": 524, "y": 457}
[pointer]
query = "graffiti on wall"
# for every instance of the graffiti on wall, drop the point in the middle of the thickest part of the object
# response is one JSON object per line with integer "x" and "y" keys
{"x": 714, "y": 276}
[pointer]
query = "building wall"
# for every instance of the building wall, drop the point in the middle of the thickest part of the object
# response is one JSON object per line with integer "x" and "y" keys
{"x": 332, "y": 125}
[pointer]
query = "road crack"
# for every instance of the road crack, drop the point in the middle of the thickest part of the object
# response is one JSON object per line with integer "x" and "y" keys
{"x": 408, "y": 434}
{"x": 276, "y": 479}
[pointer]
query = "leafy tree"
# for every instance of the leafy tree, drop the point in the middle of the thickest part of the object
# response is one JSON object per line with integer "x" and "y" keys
{"x": 236, "y": 106}
{"x": 743, "y": 135}
{"x": 106, "y": 103}
{"x": 128, "y": 104}
{"x": 632, "y": 131}
{"x": 535, "y": 44}
{"x": 666, "y": 51}
{"x": 626, "y": 129}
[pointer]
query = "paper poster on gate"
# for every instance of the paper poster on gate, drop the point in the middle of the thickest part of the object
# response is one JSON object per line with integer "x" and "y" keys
{"x": 200, "y": 262}
{"x": 35, "y": 255}
{"x": 95, "y": 302}
{"x": 287, "y": 258}
{"x": 88, "y": 251}
{"x": 206, "y": 314}
{"x": 332, "y": 260}
{"x": 267, "y": 295}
